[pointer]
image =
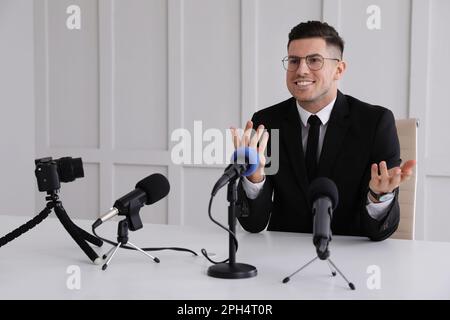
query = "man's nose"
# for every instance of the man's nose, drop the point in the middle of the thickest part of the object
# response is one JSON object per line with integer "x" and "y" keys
{"x": 303, "y": 67}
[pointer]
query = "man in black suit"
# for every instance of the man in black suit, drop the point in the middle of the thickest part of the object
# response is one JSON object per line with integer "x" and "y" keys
{"x": 323, "y": 133}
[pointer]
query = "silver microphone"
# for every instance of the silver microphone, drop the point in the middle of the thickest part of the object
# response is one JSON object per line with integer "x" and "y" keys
{"x": 108, "y": 215}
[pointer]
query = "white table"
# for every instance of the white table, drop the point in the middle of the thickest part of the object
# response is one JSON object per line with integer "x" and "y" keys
{"x": 39, "y": 264}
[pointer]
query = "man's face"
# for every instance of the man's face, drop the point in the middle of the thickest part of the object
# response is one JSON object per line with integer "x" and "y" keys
{"x": 314, "y": 89}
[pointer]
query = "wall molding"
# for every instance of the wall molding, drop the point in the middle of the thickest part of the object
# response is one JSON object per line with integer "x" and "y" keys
{"x": 418, "y": 98}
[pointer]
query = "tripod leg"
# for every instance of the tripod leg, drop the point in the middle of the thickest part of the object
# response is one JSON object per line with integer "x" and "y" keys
{"x": 26, "y": 227}
{"x": 89, "y": 237}
{"x": 107, "y": 254}
{"x": 289, "y": 277}
{"x": 140, "y": 250}
{"x": 84, "y": 234}
{"x": 351, "y": 285}
{"x": 112, "y": 255}
{"x": 333, "y": 273}
{"x": 73, "y": 231}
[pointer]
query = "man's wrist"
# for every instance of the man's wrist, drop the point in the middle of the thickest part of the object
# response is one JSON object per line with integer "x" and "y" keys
{"x": 380, "y": 197}
{"x": 371, "y": 198}
{"x": 257, "y": 179}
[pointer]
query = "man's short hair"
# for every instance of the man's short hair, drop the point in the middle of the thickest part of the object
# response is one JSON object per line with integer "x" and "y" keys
{"x": 317, "y": 29}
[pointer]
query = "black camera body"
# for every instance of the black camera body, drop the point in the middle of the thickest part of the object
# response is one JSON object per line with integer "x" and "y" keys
{"x": 50, "y": 173}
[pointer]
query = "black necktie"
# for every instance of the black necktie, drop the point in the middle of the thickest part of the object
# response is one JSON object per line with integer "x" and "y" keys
{"x": 312, "y": 146}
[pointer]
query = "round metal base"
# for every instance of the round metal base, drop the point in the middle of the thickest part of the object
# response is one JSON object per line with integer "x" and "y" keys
{"x": 232, "y": 271}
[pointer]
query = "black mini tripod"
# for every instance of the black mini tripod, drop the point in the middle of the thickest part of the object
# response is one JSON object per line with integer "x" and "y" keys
{"x": 80, "y": 236}
{"x": 323, "y": 254}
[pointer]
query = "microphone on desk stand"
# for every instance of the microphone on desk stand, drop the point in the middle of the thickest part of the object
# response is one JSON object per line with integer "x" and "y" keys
{"x": 245, "y": 161}
{"x": 323, "y": 195}
{"x": 147, "y": 191}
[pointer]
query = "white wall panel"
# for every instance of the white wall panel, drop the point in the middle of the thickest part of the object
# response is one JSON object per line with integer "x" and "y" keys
{"x": 437, "y": 224}
{"x": 275, "y": 19}
{"x": 377, "y": 60}
{"x": 212, "y": 63}
{"x": 17, "y": 105}
{"x": 140, "y": 74}
{"x": 198, "y": 183}
{"x": 73, "y": 80}
{"x": 438, "y": 139}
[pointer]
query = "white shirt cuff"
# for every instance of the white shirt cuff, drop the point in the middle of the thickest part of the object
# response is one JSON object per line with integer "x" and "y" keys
{"x": 252, "y": 189}
{"x": 377, "y": 210}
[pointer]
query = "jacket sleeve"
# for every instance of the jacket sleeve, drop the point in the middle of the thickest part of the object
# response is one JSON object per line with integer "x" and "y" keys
{"x": 386, "y": 147}
{"x": 256, "y": 213}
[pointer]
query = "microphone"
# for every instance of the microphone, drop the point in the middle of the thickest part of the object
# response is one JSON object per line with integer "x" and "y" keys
{"x": 245, "y": 161}
{"x": 323, "y": 195}
{"x": 147, "y": 191}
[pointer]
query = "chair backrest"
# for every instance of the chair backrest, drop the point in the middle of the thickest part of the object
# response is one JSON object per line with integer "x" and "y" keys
{"x": 407, "y": 134}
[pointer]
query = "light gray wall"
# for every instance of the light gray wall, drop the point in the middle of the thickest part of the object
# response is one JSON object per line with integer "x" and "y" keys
{"x": 436, "y": 131}
{"x": 104, "y": 99}
{"x": 114, "y": 91}
{"x": 17, "y": 120}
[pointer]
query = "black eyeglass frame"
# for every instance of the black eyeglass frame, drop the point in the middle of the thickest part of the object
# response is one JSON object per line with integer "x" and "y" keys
{"x": 315, "y": 55}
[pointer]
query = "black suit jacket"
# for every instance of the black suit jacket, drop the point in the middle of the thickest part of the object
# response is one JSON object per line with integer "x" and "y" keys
{"x": 358, "y": 134}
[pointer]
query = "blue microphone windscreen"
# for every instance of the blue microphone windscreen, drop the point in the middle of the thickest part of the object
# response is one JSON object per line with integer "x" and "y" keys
{"x": 246, "y": 155}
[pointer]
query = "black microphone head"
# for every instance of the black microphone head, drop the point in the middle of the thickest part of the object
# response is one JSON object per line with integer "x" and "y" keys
{"x": 155, "y": 186}
{"x": 324, "y": 187}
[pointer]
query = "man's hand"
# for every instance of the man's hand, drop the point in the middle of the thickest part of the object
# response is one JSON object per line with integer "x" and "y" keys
{"x": 248, "y": 140}
{"x": 388, "y": 180}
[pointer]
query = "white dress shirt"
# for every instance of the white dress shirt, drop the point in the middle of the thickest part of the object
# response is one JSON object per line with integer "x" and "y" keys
{"x": 375, "y": 210}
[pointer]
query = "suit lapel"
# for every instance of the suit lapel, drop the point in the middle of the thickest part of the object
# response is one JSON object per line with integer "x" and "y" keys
{"x": 337, "y": 128}
{"x": 291, "y": 134}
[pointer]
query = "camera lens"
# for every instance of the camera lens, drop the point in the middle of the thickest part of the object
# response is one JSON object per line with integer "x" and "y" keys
{"x": 70, "y": 169}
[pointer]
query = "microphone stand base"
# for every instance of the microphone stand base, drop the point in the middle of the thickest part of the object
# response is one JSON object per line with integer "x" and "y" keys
{"x": 232, "y": 271}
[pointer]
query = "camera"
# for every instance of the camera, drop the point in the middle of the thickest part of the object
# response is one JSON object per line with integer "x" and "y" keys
{"x": 50, "y": 173}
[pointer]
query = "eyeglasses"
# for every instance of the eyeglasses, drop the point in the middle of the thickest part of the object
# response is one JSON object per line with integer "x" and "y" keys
{"x": 313, "y": 61}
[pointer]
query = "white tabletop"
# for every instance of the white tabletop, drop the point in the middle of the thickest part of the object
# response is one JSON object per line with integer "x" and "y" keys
{"x": 42, "y": 264}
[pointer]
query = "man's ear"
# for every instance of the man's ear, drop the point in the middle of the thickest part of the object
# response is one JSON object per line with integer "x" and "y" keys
{"x": 340, "y": 69}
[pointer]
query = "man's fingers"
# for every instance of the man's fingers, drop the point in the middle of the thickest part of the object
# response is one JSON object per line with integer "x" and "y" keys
{"x": 235, "y": 137}
{"x": 247, "y": 134}
{"x": 255, "y": 138}
{"x": 374, "y": 171}
{"x": 262, "y": 148}
{"x": 394, "y": 171}
{"x": 408, "y": 166}
{"x": 387, "y": 180}
{"x": 263, "y": 143}
{"x": 383, "y": 170}
{"x": 260, "y": 132}
{"x": 396, "y": 179}
{"x": 248, "y": 139}
{"x": 407, "y": 169}
{"x": 384, "y": 176}
{"x": 248, "y": 125}
{"x": 406, "y": 175}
